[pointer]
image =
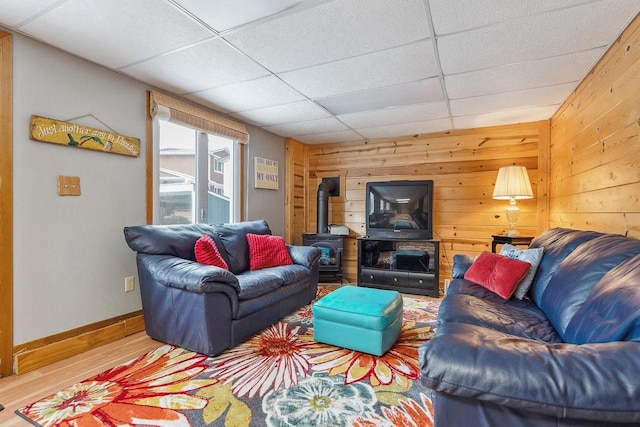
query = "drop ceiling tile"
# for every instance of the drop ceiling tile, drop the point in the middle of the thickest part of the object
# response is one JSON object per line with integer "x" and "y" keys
{"x": 399, "y": 65}
{"x": 279, "y": 114}
{"x": 115, "y": 33}
{"x": 201, "y": 66}
{"x": 426, "y": 90}
{"x": 330, "y": 137}
{"x": 461, "y": 15}
{"x": 332, "y": 31}
{"x": 249, "y": 95}
{"x": 14, "y": 12}
{"x": 548, "y": 95}
{"x": 228, "y": 14}
{"x": 390, "y": 116}
{"x": 550, "y": 34}
{"x": 308, "y": 127}
{"x": 523, "y": 115}
{"x": 427, "y": 126}
{"x": 523, "y": 75}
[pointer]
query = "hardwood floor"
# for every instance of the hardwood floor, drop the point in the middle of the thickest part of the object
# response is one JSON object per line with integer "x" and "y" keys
{"x": 19, "y": 390}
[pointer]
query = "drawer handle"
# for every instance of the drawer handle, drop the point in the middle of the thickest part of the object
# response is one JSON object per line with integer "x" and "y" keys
{"x": 371, "y": 277}
{"x": 395, "y": 279}
{"x": 420, "y": 280}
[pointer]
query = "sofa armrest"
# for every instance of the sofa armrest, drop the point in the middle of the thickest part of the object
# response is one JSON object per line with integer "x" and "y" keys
{"x": 306, "y": 256}
{"x": 592, "y": 381}
{"x": 461, "y": 263}
{"x": 188, "y": 275}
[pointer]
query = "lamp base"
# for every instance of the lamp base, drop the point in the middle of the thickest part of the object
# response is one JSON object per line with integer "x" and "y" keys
{"x": 513, "y": 212}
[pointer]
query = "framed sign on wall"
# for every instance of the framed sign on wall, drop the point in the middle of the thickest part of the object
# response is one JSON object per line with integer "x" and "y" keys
{"x": 266, "y": 173}
{"x": 61, "y": 132}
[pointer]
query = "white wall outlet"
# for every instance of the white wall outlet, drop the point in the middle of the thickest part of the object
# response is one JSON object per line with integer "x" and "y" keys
{"x": 129, "y": 283}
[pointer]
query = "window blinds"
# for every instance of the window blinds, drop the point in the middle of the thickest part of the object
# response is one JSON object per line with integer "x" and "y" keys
{"x": 171, "y": 109}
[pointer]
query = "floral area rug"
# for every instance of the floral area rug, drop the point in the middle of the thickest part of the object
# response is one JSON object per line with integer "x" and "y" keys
{"x": 281, "y": 377}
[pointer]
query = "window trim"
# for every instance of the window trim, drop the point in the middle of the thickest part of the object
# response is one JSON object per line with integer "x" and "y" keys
{"x": 152, "y": 156}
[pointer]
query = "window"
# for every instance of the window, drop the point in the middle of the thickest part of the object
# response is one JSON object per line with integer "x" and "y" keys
{"x": 196, "y": 160}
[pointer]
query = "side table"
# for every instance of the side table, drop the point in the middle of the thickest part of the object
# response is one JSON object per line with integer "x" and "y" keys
{"x": 501, "y": 239}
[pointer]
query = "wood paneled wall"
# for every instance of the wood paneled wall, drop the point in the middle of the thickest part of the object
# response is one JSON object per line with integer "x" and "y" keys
{"x": 594, "y": 179}
{"x": 295, "y": 198}
{"x": 463, "y": 166}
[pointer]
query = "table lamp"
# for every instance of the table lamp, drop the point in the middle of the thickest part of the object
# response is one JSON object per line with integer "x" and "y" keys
{"x": 512, "y": 184}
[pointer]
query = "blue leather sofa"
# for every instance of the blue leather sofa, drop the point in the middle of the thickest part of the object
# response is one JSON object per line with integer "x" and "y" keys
{"x": 568, "y": 355}
{"x": 208, "y": 309}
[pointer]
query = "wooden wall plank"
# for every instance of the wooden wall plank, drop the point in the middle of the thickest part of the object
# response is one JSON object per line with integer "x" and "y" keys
{"x": 463, "y": 166}
{"x": 594, "y": 177}
{"x": 6, "y": 203}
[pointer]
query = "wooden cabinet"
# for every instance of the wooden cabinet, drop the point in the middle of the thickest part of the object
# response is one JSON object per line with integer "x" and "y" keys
{"x": 409, "y": 266}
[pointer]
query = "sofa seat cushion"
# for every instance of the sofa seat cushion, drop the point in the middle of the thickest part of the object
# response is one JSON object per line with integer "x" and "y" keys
{"x": 256, "y": 283}
{"x": 288, "y": 273}
{"x": 592, "y": 381}
{"x": 516, "y": 317}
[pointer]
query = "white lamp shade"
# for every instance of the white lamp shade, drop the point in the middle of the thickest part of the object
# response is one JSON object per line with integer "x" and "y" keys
{"x": 512, "y": 184}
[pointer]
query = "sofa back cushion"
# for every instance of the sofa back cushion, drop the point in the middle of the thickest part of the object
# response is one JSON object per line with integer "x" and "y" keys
{"x": 176, "y": 240}
{"x": 611, "y": 312}
{"x": 234, "y": 239}
{"x": 558, "y": 243}
{"x": 578, "y": 274}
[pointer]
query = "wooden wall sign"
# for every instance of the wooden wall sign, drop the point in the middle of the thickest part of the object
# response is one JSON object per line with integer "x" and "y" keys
{"x": 66, "y": 133}
{"x": 266, "y": 173}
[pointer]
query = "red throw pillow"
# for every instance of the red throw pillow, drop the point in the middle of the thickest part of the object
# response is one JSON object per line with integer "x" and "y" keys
{"x": 498, "y": 273}
{"x": 207, "y": 252}
{"x": 266, "y": 250}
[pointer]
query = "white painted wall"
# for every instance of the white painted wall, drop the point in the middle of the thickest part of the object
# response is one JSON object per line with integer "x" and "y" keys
{"x": 70, "y": 257}
{"x": 262, "y": 203}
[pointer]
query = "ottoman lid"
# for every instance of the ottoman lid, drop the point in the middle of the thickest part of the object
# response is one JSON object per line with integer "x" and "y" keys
{"x": 359, "y": 306}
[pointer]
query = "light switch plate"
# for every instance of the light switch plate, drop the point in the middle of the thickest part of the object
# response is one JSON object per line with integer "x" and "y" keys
{"x": 68, "y": 185}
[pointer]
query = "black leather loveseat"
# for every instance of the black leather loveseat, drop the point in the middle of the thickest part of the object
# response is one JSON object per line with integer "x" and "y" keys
{"x": 208, "y": 309}
{"x": 566, "y": 355}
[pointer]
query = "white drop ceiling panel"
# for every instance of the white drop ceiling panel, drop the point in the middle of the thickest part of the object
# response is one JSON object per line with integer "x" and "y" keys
{"x": 249, "y": 95}
{"x": 522, "y": 115}
{"x": 279, "y": 114}
{"x": 342, "y": 70}
{"x": 543, "y": 96}
{"x": 426, "y": 126}
{"x": 15, "y": 12}
{"x": 116, "y": 33}
{"x": 345, "y": 28}
{"x": 205, "y": 65}
{"x": 403, "y": 64}
{"x": 309, "y": 127}
{"x": 389, "y": 96}
{"x": 231, "y": 13}
{"x": 522, "y": 75}
{"x": 462, "y": 15}
{"x": 541, "y": 36}
{"x": 390, "y": 116}
{"x": 321, "y": 138}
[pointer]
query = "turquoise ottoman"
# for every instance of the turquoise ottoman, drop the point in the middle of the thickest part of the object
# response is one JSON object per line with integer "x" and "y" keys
{"x": 363, "y": 319}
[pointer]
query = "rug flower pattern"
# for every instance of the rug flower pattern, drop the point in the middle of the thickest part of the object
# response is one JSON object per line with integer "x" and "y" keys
{"x": 281, "y": 377}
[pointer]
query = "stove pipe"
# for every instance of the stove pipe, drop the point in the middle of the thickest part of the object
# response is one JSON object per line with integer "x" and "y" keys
{"x": 324, "y": 191}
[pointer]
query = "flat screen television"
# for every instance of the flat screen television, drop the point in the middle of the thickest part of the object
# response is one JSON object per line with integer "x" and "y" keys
{"x": 400, "y": 209}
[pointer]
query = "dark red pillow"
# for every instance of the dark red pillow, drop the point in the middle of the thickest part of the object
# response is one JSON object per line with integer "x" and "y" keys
{"x": 498, "y": 273}
{"x": 207, "y": 252}
{"x": 266, "y": 250}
